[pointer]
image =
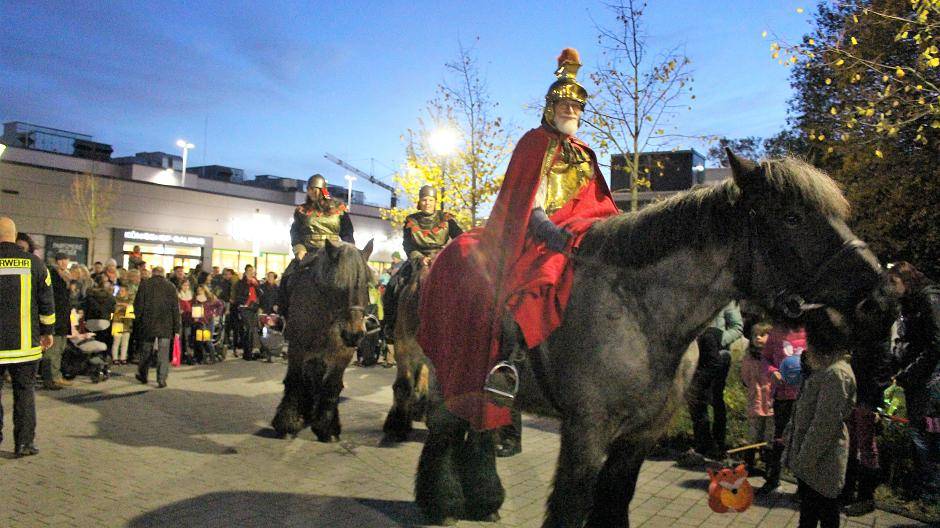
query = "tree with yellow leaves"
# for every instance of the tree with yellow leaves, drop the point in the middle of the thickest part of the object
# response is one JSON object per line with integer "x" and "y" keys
{"x": 637, "y": 95}
{"x": 468, "y": 179}
{"x": 89, "y": 204}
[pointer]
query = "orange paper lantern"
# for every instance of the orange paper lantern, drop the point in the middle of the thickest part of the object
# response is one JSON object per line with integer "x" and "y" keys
{"x": 729, "y": 490}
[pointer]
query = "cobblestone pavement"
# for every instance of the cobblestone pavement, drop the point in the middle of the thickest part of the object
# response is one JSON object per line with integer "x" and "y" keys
{"x": 201, "y": 453}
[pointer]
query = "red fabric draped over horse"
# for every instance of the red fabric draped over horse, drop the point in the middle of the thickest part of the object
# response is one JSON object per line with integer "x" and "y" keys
{"x": 483, "y": 272}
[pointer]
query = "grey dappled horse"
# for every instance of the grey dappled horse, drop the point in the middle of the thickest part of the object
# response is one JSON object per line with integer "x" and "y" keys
{"x": 328, "y": 296}
{"x": 646, "y": 284}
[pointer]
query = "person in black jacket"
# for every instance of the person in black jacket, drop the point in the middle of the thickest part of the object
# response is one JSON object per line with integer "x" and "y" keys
{"x": 27, "y": 320}
{"x": 919, "y": 336}
{"x": 270, "y": 293}
{"x": 157, "y": 309}
{"x": 51, "y": 365}
{"x": 246, "y": 297}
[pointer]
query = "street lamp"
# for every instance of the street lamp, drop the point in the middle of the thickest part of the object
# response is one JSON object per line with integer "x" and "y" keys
{"x": 700, "y": 177}
{"x": 443, "y": 142}
{"x": 349, "y": 179}
{"x": 185, "y": 145}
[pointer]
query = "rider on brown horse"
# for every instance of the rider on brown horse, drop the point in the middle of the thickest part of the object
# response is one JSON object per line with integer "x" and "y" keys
{"x": 318, "y": 219}
{"x": 425, "y": 233}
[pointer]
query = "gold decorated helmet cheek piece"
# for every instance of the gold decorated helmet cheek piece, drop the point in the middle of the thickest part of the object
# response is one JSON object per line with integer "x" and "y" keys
{"x": 567, "y": 86}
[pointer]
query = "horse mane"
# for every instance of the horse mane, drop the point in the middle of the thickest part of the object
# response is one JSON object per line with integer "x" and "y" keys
{"x": 345, "y": 270}
{"x": 795, "y": 177}
{"x": 700, "y": 216}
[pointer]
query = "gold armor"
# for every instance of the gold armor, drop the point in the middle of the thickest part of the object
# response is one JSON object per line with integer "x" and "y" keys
{"x": 323, "y": 222}
{"x": 564, "y": 176}
{"x": 430, "y": 232}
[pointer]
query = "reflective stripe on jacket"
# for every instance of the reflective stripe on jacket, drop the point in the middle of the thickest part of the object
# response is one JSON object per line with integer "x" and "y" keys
{"x": 27, "y": 309}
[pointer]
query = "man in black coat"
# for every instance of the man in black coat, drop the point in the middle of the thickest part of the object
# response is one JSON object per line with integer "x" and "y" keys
{"x": 51, "y": 364}
{"x": 158, "y": 320}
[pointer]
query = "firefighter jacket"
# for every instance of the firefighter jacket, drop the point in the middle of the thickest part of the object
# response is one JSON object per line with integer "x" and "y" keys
{"x": 27, "y": 310}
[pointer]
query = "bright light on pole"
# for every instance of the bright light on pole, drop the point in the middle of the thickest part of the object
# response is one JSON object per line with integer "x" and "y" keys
{"x": 350, "y": 179}
{"x": 185, "y": 145}
{"x": 443, "y": 142}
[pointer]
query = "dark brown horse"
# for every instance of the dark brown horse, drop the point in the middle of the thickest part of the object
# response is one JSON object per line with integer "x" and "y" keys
{"x": 411, "y": 382}
{"x": 646, "y": 284}
{"x": 328, "y": 296}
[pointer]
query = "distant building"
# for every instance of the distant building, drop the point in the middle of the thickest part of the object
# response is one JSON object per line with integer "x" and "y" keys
{"x": 668, "y": 173}
{"x": 218, "y": 219}
{"x": 35, "y": 137}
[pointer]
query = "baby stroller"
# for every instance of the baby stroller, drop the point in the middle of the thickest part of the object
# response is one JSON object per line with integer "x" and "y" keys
{"x": 84, "y": 354}
{"x": 272, "y": 336}
{"x": 372, "y": 345}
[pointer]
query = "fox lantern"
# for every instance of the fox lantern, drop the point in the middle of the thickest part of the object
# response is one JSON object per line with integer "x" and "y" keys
{"x": 729, "y": 490}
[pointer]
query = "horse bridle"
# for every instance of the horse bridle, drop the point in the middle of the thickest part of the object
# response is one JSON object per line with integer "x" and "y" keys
{"x": 792, "y": 300}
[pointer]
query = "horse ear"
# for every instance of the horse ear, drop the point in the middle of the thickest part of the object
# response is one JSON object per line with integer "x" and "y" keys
{"x": 744, "y": 171}
{"x": 367, "y": 251}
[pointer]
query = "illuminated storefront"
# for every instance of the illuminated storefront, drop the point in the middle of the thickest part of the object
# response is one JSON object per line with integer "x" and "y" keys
{"x": 161, "y": 249}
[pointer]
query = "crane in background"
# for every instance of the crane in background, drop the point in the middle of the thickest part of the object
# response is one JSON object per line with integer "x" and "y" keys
{"x": 394, "y": 199}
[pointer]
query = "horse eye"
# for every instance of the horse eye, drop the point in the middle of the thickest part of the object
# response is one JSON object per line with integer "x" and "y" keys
{"x": 791, "y": 219}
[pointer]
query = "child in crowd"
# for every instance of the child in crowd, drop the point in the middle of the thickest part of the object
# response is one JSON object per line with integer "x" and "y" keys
{"x": 205, "y": 309}
{"x": 758, "y": 379}
{"x": 785, "y": 344}
{"x": 121, "y": 327}
{"x": 817, "y": 437}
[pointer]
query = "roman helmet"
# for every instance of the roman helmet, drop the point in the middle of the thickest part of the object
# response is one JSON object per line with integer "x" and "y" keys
{"x": 317, "y": 181}
{"x": 427, "y": 190}
{"x": 567, "y": 86}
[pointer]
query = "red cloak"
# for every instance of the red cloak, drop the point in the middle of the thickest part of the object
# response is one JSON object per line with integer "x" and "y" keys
{"x": 484, "y": 271}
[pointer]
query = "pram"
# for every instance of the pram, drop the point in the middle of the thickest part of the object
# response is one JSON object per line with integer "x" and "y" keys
{"x": 372, "y": 345}
{"x": 272, "y": 336}
{"x": 84, "y": 354}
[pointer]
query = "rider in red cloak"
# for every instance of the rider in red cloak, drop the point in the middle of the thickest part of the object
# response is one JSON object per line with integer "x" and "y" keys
{"x": 519, "y": 263}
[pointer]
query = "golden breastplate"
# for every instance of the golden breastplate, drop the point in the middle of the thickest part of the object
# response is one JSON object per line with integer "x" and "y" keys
{"x": 565, "y": 180}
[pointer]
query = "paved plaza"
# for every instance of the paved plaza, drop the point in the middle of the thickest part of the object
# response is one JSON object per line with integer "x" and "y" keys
{"x": 201, "y": 453}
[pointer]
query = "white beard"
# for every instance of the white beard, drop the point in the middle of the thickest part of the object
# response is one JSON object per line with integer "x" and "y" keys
{"x": 566, "y": 126}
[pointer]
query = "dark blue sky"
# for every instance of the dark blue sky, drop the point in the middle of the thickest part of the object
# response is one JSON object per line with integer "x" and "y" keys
{"x": 283, "y": 83}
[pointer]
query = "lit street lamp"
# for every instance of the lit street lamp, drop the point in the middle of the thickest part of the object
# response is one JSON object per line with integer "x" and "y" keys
{"x": 443, "y": 142}
{"x": 350, "y": 179}
{"x": 185, "y": 145}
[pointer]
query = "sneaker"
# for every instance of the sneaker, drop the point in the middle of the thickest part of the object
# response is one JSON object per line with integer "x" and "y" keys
{"x": 508, "y": 449}
{"x": 502, "y": 384}
{"x": 857, "y": 509}
{"x": 768, "y": 487}
{"x": 26, "y": 450}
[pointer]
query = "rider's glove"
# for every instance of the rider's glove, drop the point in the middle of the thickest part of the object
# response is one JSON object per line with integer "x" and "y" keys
{"x": 542, "y": 229}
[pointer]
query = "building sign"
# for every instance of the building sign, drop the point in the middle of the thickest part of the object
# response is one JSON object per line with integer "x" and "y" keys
{"x": 183, "y": 240}
{"x": 75, "y": 248}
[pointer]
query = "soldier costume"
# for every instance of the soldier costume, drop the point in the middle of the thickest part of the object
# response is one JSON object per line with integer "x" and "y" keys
{"x": 425, "y": 234}
{"x": 318, "y": 219}
{"x": 516, "y": 270}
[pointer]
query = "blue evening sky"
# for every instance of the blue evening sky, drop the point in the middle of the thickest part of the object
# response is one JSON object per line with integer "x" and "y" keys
{"x": 280, "y": 84}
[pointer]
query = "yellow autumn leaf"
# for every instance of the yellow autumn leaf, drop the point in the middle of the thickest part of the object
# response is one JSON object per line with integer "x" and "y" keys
{"x": 828, "y": 80}
{"x": 885, "y": 78}
{"x": 822, "y": 137}
{"x": 854, "y": 41}
{"x": 812, "y": 42}
{"x": 840, "y": 62}
{"x": 763, "y": 34}
{"x": 855, "y": 18}
{"x": 899, "y": 72}
{"x": 879, "y": 154}
{"x": 833, "y": 111}
{"x": 799, "y": 10}
{"x": 934, "y": 62}
{"x": 775, "y": 55}
{"x": 829, "y": 150}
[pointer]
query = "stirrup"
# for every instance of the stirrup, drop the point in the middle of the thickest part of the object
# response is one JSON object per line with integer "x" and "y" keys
{"x": 502, "y": 384}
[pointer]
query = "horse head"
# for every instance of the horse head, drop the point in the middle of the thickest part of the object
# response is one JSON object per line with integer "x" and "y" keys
{"x": 345, "y": 273}
{"x": 799, "y": 254}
